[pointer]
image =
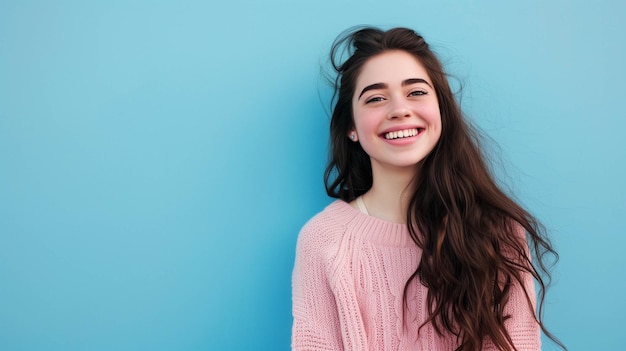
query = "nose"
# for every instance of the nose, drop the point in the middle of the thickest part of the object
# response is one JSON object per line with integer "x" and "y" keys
{"x": 398, "y": 109}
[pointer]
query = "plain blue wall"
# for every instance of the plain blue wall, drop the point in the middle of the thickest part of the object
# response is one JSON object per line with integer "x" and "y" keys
{"x": 157, "y": 159}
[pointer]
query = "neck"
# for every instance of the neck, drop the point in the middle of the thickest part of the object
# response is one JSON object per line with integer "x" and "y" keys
{"x": 390, "y": 194}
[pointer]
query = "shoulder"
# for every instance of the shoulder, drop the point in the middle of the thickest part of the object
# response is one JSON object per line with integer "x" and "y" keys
{"x": 323, "y": 238}
{"x": 322, "y": 234}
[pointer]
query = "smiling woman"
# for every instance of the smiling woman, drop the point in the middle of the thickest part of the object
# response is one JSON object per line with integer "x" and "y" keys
{"x": 396, "y": 97}
{"x": 422, "y": 250}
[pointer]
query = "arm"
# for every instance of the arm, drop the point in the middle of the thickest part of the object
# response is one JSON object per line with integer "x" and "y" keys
{"x": 315, "y": 317}
{"x": 522, "y": 325}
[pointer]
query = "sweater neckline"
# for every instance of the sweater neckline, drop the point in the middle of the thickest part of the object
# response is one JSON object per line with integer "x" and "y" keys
{"x": 373, "y": 229}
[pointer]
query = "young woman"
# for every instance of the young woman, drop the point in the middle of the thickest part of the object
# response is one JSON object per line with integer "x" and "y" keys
{"x": 423, "y": 250}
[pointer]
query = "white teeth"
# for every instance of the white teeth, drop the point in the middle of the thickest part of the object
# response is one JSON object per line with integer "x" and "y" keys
{"x": 401, "y": 134}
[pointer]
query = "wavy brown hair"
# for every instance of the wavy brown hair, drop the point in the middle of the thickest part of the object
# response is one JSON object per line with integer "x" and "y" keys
{"x": 468, "y": 228}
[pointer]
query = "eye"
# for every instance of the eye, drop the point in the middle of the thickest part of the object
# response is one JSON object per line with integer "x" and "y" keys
{"x": 418, "y": 93}
{"x": 374, "y": 99}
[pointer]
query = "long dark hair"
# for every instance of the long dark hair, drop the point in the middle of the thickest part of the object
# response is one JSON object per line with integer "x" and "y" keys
{"x": 468, "y": 228}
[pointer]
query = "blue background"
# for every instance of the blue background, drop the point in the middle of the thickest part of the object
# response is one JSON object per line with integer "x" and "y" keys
{"x": 157, "y": 159}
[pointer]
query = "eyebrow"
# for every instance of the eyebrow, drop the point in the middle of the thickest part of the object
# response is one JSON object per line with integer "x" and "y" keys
{"x": 384, "y": 86}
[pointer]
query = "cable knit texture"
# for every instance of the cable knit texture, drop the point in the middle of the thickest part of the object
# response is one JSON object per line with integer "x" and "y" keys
{"x": 348, "y": 284}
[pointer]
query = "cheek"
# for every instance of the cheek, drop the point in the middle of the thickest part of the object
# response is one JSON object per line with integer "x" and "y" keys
{"x": 438, "y": 126}
{"x": 433, "y": 113}
{"x": 433, "y": 116}
{"x": 364, "y": 122}
{"x": 437, "y": 120}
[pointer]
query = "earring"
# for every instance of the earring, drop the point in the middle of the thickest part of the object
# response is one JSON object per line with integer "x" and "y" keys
{"x": 352, "y": 136}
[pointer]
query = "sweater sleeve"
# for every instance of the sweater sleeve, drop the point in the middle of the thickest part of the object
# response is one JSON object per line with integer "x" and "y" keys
{"x": 523, "y": 327}
{"x": 315, "y": 318}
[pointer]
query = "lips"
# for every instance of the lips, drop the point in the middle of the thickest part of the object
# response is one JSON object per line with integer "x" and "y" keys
{"x": 404, "y": 133}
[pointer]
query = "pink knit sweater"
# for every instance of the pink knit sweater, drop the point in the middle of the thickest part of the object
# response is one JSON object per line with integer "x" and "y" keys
{"x": 348, "y": 284}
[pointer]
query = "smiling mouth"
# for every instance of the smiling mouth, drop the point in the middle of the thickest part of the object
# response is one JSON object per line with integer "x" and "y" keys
{"x": 405, "y": 133}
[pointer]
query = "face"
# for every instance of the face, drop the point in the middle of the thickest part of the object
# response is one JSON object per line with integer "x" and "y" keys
{"x": 396, "y": 112}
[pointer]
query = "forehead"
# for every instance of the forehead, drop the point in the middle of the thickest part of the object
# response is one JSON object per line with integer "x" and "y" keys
{"x": 390, "y": 67}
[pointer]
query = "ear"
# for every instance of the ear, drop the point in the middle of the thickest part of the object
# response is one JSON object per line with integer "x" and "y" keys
{"x": 353, "y": 136}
